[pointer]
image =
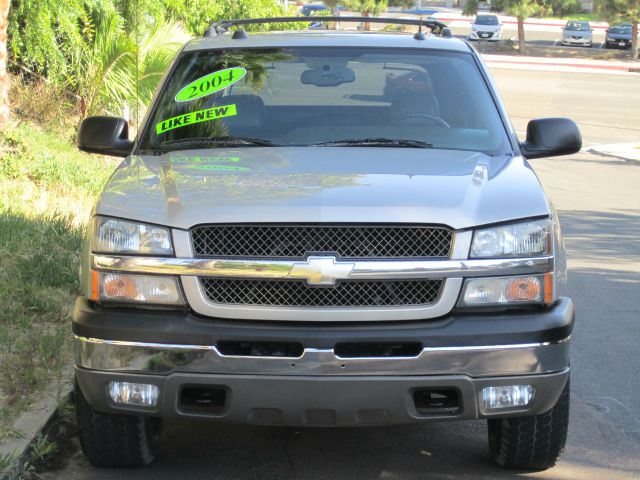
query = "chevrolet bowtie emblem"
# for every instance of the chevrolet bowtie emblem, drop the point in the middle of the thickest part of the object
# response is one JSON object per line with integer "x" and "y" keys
{"x": 321, "y": 270}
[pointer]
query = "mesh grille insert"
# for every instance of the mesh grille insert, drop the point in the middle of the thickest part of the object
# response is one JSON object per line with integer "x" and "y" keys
{"x": 295, "y": 241}
{"x": 296, "y": 293}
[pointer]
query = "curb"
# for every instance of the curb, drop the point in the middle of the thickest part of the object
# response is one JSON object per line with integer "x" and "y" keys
{"x": 556, "y": 63}
{"x": 39, "y": 419}
{"x": 628, "y": 152}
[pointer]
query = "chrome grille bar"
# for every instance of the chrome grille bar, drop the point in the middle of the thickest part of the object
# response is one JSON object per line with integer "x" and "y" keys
{"x": 319, "y": 271}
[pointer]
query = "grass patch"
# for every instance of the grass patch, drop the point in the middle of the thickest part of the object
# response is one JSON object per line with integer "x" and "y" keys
{"x": 38, "y": 271}
{"x": 47, "y": 190}
{"x": 42, "y": 172}
{"x": 588, "y": 17}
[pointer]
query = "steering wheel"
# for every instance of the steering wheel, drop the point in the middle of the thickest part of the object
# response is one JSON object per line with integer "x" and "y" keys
{"x": 420, "y": 118}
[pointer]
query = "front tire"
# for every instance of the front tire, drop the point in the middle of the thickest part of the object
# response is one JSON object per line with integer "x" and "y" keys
{"x": 115, "y": 440}
{"x": 532, "y": 443}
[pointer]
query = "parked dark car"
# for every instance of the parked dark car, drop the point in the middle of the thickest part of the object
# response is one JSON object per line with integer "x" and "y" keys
{"x": 618, "y": 36}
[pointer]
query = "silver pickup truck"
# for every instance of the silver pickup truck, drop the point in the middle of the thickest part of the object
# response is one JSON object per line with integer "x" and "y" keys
{"x": 324, "y": 229}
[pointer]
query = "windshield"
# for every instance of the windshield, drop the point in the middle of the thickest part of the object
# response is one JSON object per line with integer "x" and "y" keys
{"x": 324, "y": 96}
{"x": 486, "y": 20}
{"x": 577, "y": 26}
{"x": 621, "y": 29}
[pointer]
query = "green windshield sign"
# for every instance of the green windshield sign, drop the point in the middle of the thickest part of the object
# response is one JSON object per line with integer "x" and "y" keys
{"x": 205, "y": 115}
{"x": 212, "y": 83}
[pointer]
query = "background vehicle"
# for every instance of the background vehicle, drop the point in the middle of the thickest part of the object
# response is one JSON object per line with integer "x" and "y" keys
{"x": 291, "y": 241}
{"x": 577, "y": 32}
{"x": 310, "y": 8}
{"x": 486, "y": 27}
{"x": 618, "y": 36}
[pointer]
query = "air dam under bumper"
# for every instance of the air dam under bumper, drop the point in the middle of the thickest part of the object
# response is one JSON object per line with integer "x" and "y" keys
{"x": 320, "y": 401}
{"x": 320, "y": 386}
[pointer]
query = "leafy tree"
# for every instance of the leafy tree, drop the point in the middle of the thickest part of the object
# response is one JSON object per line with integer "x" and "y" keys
{"x": 523, "y": 9}
{"x": 616, "y": 11}
{"x": 470, "y": 8}
{"x": 197, "y": 15}
{"x": 114, "y": 66}
{"x": 562, "y": 8}
{"x": 374, "y": 7}
{"x": 4, "y": 79}
{"x": 41, "y": 32}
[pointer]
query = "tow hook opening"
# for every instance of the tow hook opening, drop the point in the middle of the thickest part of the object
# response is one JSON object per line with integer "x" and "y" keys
{"x": 441, "y": 401}
{"x": 202, "y": 399}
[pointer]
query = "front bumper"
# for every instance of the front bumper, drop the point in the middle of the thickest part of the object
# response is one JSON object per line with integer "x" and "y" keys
{"x": 618, "y": 43}
{"x": 489, "y": 36}
{"x": 577, "y": 41}
{"x": 461, "y": 353}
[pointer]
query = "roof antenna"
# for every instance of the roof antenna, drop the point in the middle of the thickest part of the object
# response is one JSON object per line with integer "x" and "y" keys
{"x": 419, "y": 35}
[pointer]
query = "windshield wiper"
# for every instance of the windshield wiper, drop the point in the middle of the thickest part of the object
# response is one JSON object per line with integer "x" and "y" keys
{"x": 375, "y": 142}
{"x": 203, "y": 142}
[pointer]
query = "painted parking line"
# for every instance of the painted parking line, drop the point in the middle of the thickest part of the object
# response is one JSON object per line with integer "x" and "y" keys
{"x": 556, "y": 42}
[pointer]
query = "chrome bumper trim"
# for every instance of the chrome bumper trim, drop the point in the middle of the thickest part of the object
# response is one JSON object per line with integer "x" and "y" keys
{"x": 474, "y": 361}
{"x": 339, "y": 270}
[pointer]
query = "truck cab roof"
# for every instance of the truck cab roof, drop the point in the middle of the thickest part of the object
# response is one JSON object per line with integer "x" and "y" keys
{"x": 328, "y": 39}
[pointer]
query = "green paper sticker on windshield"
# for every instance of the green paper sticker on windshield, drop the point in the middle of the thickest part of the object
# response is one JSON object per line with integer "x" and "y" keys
{"x": 212, "y": 83}
{"x": 190, "y": 118}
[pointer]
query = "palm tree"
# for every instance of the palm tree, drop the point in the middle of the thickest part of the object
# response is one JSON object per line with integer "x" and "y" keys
{"x": 113, "y": 68}
{"x": 4, "y": 79}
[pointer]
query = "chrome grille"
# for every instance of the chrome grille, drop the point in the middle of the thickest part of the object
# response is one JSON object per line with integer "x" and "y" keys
{"x": 296, "y": 293}
{"x": 345, "y": 241}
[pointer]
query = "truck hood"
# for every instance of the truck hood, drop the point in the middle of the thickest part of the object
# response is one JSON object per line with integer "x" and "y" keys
{"x": 323, "y": 184}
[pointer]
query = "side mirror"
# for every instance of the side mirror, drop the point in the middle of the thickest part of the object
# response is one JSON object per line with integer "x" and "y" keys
{"x": 550, "y": 137}
{"x": 105, "y": 135}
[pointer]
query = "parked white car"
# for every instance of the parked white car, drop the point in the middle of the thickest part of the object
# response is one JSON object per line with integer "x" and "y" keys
{"x": 486, "y": 27}
{"x": 577, "y": 32}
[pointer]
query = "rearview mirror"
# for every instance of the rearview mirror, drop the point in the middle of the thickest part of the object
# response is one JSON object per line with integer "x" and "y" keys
{"x": 550, "y": 137}
{"x": 105, "y": 135}
{"x": 327, "y": 76}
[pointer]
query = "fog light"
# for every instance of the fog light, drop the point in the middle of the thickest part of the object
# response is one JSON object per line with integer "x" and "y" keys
{"x": 139, "y": 394}
{"x": 506, "y": 396}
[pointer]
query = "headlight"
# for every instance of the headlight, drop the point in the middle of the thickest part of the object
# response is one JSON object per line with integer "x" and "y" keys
{"x": 609, "y": 39}
{"x": 526, "y": 239}
{"x": 111, "y": 235}
{"x": 148, "y": 289}
{"x": 517, "y": 290}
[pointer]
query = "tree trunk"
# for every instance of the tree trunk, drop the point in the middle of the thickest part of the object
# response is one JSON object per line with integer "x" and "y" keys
{"x": 4, "y": 78}
{"x": 367, "y": 25}
{"x": 521, "y": 35}
{"x": 634, "y": 37}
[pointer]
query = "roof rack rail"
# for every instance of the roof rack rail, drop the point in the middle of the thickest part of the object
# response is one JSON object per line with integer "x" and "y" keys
{"x": 437, "y": 28}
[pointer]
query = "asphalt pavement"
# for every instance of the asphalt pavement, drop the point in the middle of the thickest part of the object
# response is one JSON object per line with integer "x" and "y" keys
{"x": 599, "y": 203}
